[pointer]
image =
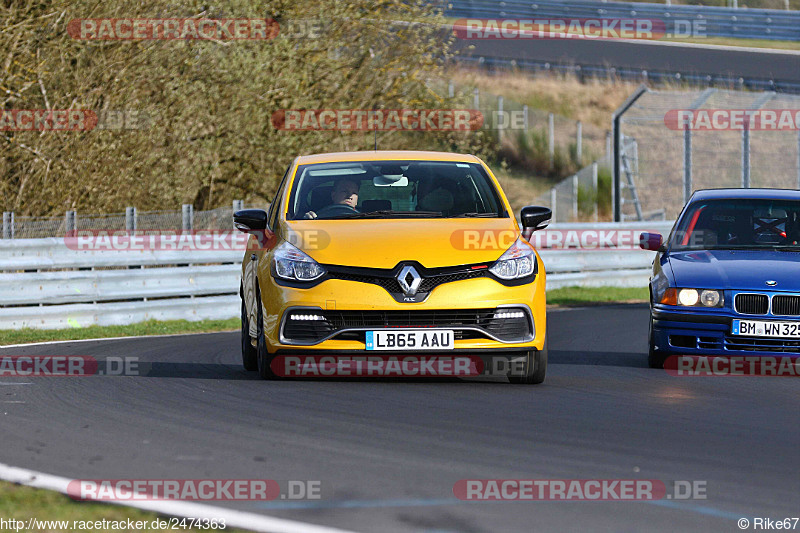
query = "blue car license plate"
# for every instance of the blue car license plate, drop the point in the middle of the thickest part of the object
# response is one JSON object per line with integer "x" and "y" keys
{"x": 761, "y": 328}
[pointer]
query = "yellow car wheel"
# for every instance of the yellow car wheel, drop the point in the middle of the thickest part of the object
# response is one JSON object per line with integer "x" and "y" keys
{"x": 534, "y": 369}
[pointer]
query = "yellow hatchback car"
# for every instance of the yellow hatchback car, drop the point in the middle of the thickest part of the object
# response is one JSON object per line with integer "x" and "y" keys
{"x": 389, "y": 256}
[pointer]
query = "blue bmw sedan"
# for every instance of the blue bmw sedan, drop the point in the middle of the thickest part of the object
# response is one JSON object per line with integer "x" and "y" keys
{"x": 727, "y": 280}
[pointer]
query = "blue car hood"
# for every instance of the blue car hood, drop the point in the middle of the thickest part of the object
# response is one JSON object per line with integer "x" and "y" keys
{"x": 736, "y": 269}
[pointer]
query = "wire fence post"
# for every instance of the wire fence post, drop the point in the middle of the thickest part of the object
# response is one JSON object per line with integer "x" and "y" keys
{"x": 575, "y": 197}
{"x": 187, "y": 216}
{"x": 500, "y": 118}
{"x": 687, "y": 163}
{"x": 8, "y": 224}
{"x": 595, "y": 191}
{"x": 553, "y": 201}
{"x": 608, "y": 145}
{"x": 238, "y": 205}
{"x": 71, "y": 221}
{"x": 525, "y": 123}
{"x": 579, "y": 142}
{"x": 551, "y": 138}
{"x": 746, "y": 155}
{"x": 451, "y": 90}
{"x": 130, "y": 218}
{"x": 476, "y": 99}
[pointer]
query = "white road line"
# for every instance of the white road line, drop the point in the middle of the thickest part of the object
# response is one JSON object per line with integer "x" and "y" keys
{"x": 44, "y": 343}
{"x": 233, "y": 518}
{"x": 751, "y": 49}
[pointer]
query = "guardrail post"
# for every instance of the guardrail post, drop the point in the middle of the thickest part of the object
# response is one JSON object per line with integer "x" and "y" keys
{"x": 608, "y": 145}
{"x": 476, "y": 99}
{"x": 553, "y": 200}
{"x": 130, "y": 218}
{"x": 71, "y": 221}
{"x": 525, "y": 123}
{"x": 595, "y": 191}
{"x": 451, "y": 90}
{"x": 551, "y": 138}
{"x": 746, "y": 154}
{"x": 579, "y": 142}
{"x": 187, "y": 216}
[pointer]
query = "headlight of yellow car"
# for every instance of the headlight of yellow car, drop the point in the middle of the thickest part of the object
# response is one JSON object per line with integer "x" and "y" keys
{"x": 292, "y": 264}
{"x": 516, "y": 262}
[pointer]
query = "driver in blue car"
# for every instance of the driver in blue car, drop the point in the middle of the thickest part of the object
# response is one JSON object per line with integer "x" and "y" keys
{"x": 344, "y": 195}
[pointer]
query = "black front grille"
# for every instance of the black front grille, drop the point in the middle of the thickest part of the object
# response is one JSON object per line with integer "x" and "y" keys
{"x": 505, "y": 329}
{"x": 388, "y": 281}
{"x": 786, "y": 305}
{"x": 752, "y": 304}
{"x": 753, "y": 344}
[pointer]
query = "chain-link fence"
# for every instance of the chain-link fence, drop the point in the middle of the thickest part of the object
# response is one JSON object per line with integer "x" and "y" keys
{"x": 671, "y": 143}
{"x": 584, "y": 196}
{"x": 27, "y": 227}
{"x": 535, "y": 132}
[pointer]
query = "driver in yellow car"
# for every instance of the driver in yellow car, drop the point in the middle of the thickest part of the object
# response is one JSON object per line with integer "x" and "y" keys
{"x": 345, "y": 192}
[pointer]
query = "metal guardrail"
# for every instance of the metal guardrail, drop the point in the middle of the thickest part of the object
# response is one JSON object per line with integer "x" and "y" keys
{"x": 46, "y": 285}
{"x": 583, "y": 70}
{"x": 715, "y": 21}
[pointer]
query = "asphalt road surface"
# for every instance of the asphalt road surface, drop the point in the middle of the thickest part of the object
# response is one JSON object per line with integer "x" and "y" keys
{"x": 388, "y": 452}
{"x": 653, "y": 56}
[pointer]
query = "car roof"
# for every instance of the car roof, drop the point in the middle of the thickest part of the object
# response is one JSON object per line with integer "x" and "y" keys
{"x": 747, "y": 194}
{"x": 386, "y": 155}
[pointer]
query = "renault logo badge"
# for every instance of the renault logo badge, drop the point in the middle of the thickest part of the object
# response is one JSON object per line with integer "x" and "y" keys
{"x": 409, "y": 280}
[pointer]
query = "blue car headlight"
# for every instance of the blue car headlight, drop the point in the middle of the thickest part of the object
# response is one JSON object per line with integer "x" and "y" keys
{"x": 688, "y": 297}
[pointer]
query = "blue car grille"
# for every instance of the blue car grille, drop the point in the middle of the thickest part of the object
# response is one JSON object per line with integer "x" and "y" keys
{"x": 753, "y": 344}
{"x": 752, "y": 304}
{"x": 786, "y": 305}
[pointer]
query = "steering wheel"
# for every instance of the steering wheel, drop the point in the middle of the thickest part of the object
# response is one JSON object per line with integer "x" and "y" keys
{"x": 335, "y": 210}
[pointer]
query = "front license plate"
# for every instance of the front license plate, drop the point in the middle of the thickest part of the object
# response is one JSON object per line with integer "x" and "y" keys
{"x": 410, "y": 339}
{"x": 759, "y": 328}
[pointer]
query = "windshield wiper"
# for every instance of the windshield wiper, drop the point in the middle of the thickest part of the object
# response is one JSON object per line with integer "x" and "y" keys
{"x": 390, "y": 213}
{"x": 476, "y": 215}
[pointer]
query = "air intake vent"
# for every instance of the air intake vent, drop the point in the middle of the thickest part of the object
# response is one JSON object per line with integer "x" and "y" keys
{"x": 752, "y": 304}
{"x": 786, "y": 305}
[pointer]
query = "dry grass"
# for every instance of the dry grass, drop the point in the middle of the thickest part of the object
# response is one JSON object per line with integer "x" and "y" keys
{"x": 591, "y": 102}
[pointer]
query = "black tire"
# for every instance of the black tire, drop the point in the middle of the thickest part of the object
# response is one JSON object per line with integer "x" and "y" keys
{"x": 263, "y": 357}
{"x": 655, "y": 359}
{"x": 535, "y": 368}
{"x": 249, "y": 354}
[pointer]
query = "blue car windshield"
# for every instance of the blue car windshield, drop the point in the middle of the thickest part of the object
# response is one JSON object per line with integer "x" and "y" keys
{"x": 740, "y": 223}
{"x": 393, "y": 189}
